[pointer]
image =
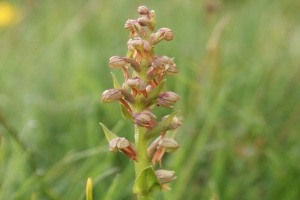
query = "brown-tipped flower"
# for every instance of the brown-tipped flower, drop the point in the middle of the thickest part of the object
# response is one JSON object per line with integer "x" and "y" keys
{"x": 133, "y": 26}
{"x": 166, "y": 99}
{"x": 171, "y": 70}
{"x": 137, "y": 83}
{"x": 138, "y": 44}
{"x": 161, "y": 61}
{"x": 123, "y": 145}
{"x": 165, "y": 64}
{"x": 134, "y": 64}
{"x": 143, "y": 10}
{"x": 164, "y": 145}
{"x": 165, "y": 176}
{"x": 111, "y": 95}
{"x": 162, "y": 34}
{"x": 117, "y": 62}
{"x": 144, "y": 118}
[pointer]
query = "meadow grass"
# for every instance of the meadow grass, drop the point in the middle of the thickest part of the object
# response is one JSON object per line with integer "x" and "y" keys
{"x": 240, "y": 99}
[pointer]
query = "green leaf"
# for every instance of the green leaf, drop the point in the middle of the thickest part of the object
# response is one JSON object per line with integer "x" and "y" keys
{"x": 116, "y": 83}
{"x": 153, "y": 94}
{"x": 162, "y": 126}
{"x": 146, "y": 182}
{"x": 89, "y": 189}
{"x": 108, "y": 134}
{"x": 126, "y": 114}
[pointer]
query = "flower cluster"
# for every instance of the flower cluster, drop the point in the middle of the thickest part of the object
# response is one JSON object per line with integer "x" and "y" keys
{"x": 143, "y": 89}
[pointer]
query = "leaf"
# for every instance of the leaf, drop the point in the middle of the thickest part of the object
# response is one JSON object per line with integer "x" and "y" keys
{"x": 162, "y": 126}
{"x": 89, "y": 188}
{"x": 146, "y": 182}
{"x": 126, "y": 114}
{"x": 153, "y": 94}
{"x": 115, "y": 80}
{"x": 108, "y": 134}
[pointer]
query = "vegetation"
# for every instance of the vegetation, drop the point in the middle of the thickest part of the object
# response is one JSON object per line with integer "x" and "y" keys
{"x": 238, "y": 82}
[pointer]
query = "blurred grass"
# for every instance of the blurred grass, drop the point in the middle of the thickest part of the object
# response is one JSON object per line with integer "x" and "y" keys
{"x": 239, "y": 86}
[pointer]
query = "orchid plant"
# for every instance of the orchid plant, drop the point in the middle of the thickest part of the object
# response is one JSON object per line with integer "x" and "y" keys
{"x": 143, "y": 90}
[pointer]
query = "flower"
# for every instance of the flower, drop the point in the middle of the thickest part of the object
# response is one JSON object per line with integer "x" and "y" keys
{"x": 117, "y": 62}
{"x": 164, "y": 145}
{"x": 167, "y": 98}
{"x": 164, "y": 177}
{"x": 161, "y": 34}
{"x": 144, "y": 118}
{"x": 143, "y": 10}
{"x": 111, "y": 95}
{"x": 123, "y": 145}
{"x": 137, "y": 83}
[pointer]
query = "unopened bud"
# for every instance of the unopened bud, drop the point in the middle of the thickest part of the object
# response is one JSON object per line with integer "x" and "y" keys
{"x": 152, "y": 20}
{"x": 167, "y": 98}
{"x": 167, "y": 33}
{"x": 143, "y": 10}
{"x": 144, "y": 118}
{"x": 165, "y": 176}
{"x": 111, "y": 95}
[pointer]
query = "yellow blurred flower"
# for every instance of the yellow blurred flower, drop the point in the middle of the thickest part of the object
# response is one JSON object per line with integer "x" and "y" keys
{"x": 8, "y": 14}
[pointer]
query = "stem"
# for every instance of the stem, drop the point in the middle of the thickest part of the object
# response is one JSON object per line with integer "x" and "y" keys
{"x": 143, "y": 159}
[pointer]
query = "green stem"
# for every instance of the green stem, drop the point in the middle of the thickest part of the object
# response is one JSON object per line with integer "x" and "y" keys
{"x": 142, "y": 156}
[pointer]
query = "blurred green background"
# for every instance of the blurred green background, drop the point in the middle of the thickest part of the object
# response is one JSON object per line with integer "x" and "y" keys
{"x": 239, "y": 65}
